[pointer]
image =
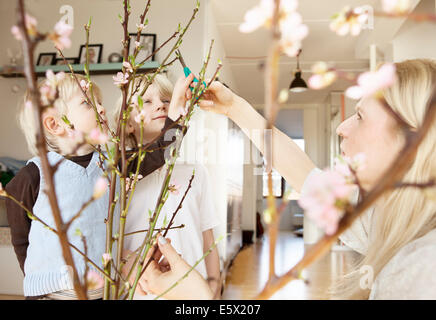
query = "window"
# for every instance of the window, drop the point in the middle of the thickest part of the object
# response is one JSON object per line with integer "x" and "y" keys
{"x": 280, "y": 186}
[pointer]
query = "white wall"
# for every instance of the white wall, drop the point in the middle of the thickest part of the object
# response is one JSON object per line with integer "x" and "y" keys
{"x": 416, "y": 40}
{"x": 164, "y": 17}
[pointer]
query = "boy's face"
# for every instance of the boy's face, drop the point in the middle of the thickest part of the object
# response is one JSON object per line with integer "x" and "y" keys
{"x": 155, "y": 106}
{"x": 82, "y": 115}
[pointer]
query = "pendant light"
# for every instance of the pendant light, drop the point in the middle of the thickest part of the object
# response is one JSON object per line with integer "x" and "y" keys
{"x": 298, "y": 84}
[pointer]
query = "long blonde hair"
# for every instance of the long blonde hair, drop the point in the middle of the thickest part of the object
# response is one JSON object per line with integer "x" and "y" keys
{"x": 67, "y": 89}
{"x": 405, "y": 214}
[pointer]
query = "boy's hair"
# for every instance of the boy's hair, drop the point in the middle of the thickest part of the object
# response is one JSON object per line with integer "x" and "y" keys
{"x": 164, "y": 86}
{"x": 67, "y": 89}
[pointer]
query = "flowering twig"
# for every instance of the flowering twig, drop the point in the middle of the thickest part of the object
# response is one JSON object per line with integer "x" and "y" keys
{"x": 156, "y": 230}
{"x": 170, "y": 223}
{"x": 165, "y": 187}
{"x": 386, "y": 182}
{"x": 32, "y": 216}
{"x": 29, "y": 71}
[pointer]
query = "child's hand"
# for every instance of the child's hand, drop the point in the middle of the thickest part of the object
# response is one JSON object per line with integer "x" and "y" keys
{"x": 181, "y": 95}
{"x": 218, "y": 99}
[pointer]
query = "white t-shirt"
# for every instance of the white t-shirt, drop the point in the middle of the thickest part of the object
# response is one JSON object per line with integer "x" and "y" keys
{"x": 198, "y": 212}
{"x": 410, "y": 274}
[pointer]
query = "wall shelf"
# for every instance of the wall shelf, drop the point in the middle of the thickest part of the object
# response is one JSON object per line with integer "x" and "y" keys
{"x": 94, "y": 69}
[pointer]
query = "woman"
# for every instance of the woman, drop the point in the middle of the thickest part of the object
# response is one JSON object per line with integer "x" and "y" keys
{"x": 398, "y": 242}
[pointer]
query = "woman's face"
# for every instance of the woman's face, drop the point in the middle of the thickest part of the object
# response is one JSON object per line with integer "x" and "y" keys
{"x": 157, "y": 108}
{"x": 372, "y": 131}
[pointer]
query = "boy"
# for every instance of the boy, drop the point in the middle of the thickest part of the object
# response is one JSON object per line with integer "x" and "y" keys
{"x": 37, "y": 249}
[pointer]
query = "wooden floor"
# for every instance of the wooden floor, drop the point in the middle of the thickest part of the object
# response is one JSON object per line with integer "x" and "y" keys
{"x": 249, "y": 271}
{"x": 9, "y": 297}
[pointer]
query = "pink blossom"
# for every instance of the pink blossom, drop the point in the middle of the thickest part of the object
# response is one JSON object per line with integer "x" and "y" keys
{"x": 96, "y": 136}
{"x": 128, "y": 184}
{"x": 174, "y": 188}
{"x": 349, "y": 20}
{"x": 322, "y": 77}
{"x": 257, "y": 16}
{"x": 121, "y": 79}
{"x": 48, "y": 94}
{"x": 293, "y": 32}
{"x": 52, "y": 79}
{"x": 85, "y": 85}
{"x": 325, "y": 198}
{"x": 137, "y": 44}
{"x": 140, "y": 26}
{"x": 16, "y": 33}
{"x": 94, "y": 280}
{"x": 128, "y": 66}
{"x": 31, "y": 23}
{"x": 61, "y": 35}
{"x": 290, "y": 23}
{"x": 75, "y": 135}
{"x": 100, "y": 188}
{"x": 143, "y": 116}
{"x": 106, "y": 258}
{"x": 346, "y": 165}
{"x": 262, "y": 14}
{"x": 370, "y": 83}
{"x": 396, "y": 6}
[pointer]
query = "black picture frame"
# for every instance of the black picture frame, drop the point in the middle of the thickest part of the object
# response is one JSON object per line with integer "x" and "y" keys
{"x": 43, "y": 56}
{"x": 91, "y": 48}
{"x": 60, "y": 61}
{"x": 148, "y": 46}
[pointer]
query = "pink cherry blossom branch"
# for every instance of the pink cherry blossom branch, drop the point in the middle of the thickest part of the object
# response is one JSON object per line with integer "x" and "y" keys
{"x": 181, "y": 226}
{"x": 170, "y": 223}
{"x": 32, "y": 216}
{"x": 388, "y": 181}
{"x": 29, "y": 71}
{"x": 271, "y": 109}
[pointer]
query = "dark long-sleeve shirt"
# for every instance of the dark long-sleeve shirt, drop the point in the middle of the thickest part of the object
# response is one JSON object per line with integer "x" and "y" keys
{"x": 25, "y": 188}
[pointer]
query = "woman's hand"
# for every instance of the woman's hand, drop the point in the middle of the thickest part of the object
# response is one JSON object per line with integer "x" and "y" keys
{"x": 181, "y": 94}
{"x": 158, "y": 277}
{"x": 219, "y": 99}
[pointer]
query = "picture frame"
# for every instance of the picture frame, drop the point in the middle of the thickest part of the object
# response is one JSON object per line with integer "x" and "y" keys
{"x": 60, "y": 61}
{"x": 95, "y": 52}
{"x": 148, "y": 45}
{"x": 46, "y": 59}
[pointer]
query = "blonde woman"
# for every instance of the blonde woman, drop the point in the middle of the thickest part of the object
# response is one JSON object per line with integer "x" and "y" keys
{"x": 197, "y": 213}
{"x": 397, "y": 237}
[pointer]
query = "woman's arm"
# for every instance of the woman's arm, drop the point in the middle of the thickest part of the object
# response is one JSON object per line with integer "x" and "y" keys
{"x": 287, "y": 158}
{"x": 212, "y": 262}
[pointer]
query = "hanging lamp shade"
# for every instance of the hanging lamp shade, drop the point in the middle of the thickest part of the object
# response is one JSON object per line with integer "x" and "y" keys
{"x": 298, "y": 84}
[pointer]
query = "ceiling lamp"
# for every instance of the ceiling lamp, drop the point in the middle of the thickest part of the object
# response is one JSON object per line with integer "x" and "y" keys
{"x": 298, "y": 84}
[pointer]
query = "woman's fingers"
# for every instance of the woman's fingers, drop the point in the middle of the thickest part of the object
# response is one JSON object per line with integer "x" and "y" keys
{"x": 168, "y": 251}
